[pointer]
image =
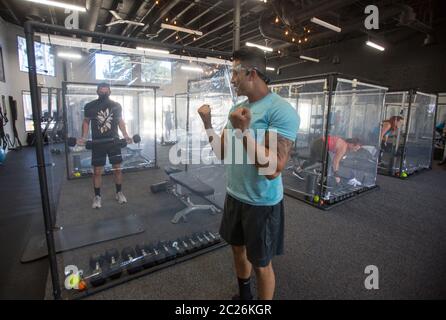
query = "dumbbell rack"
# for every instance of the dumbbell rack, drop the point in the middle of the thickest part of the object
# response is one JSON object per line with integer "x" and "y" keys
{"x": 125, "y": 277}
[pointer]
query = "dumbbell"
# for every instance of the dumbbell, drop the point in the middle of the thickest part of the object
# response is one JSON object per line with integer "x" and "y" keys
{"x": 169, "y": 252}
{"x": 159, "y": 187}
{"x": 210, "y": 240}
{"x": 187, "y": 247}
{"x": 215, "y": 238}
{"x": 132, "y": 263}
{"x": 114, "y": 268}
{"x": 160, "y": 257}
{"x": 205, "y": 239}
{"x": 149, "y": 257}
{"x": 194, "y": 243}
{"x": 200, "y": 241}
{"x": 197, "y": 245}
{"x": 89, "y": 144}
{"x": 179, "y": 247}
{"x": 96, "y": 263}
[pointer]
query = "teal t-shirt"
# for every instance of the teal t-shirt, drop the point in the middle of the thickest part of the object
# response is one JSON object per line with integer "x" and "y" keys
{"x": 243, "y": 181}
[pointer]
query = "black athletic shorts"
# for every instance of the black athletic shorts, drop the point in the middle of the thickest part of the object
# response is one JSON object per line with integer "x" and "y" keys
{"x": 100, "y": 152}
{"x": 259, "y": 228}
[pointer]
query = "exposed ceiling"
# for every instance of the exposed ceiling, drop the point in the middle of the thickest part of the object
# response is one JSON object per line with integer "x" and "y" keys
{"x": 399, "y": 19}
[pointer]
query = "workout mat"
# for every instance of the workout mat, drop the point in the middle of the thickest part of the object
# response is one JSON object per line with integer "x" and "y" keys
{"x": 77, "y": 236}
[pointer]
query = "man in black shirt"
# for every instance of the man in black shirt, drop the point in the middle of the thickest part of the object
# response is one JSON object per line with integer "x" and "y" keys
{"x": 105, "y": 116}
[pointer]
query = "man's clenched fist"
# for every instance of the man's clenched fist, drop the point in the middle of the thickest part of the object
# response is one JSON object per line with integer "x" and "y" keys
{"x": 240, "y": 118}
{"x": 205, "y": 113}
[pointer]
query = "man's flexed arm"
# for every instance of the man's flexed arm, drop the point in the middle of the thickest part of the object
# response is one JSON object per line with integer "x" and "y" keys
{"x": 271, "y": 156}
{"x": 216, "y": 141}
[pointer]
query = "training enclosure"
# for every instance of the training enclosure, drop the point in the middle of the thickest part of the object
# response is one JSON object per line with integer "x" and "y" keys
{"x": 173, "y": 208}
{"x": 138, "y": 107}
{"x": 409, "y": 148}
{"x": 332, "y": 106}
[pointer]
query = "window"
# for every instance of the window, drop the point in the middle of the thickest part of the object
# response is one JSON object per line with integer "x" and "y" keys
{"x": 112, "y": 67}
{"x": 28, "y": 111}
{"x": 155, "y": 71}
{"x": 44, "y": 57}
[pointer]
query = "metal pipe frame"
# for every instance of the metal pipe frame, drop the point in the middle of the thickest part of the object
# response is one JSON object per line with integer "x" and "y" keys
{"x": 30, "y": 27}
{"x": 236, "y": 42}
{"x": 332, "y": 80}
{"x": 66, "y": 84}
{"x": 32, "y": 72}
{"x": 43, "y": 27}
{"x": 406, "y": 134}
{"x": 433, "y": 133}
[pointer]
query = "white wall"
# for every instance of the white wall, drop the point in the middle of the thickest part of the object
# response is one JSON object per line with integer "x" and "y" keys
{"x": 4, "y": 86}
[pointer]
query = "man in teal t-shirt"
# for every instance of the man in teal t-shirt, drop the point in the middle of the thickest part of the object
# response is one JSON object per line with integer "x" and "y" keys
{"x": 255, "y": 146}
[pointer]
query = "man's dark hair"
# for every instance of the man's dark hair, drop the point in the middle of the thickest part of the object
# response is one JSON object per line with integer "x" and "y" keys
{"x": 354, "y": 141}
{"x": 252, "y": 58}
{"x": 103, "y": 85}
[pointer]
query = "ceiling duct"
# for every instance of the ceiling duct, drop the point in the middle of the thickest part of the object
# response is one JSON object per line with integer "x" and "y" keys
{"x": 93, "y": 8}
{"x": 408, "y": 18}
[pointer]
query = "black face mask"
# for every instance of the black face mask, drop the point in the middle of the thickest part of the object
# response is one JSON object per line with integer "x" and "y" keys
{"x": 103, "y": 96}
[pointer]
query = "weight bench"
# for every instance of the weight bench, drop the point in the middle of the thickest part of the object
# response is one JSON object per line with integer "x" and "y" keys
{"x": 182, "y": 186}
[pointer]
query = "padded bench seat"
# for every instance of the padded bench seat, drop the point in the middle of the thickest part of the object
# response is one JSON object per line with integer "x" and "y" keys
{"x": 192, "y": 183}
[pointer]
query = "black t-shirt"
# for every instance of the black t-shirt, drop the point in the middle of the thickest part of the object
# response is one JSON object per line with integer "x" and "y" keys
{"x": 104, "y": 118}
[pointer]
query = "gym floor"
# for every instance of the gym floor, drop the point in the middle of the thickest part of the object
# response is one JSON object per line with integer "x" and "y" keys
{"x": 400, "y": 228}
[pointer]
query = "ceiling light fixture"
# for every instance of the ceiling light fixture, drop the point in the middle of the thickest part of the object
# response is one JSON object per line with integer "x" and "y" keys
{"x": 69, "y": 55}
{"x": 375, "y": 46}
{"x": 193, "y": 69}
{"x": 59, "y": 5}
{"x": 153, "y": 50}
{"x": 309, "y": 58}
{"x": 250, "y": 44}
{"x": 270, "y": 69}
{"x": 325, "y": 24}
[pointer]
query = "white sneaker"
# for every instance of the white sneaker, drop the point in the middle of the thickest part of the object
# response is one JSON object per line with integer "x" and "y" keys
{"x": 96, "y": 202}
{"x": 120, "y": 197}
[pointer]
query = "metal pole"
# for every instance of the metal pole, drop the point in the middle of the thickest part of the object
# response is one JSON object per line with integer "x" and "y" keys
{"x": 433, "y": 133}
{"x": 406, "y": 134}
{"x": 331, "y": 90}
{"x": 154, "y": 118}
{"x": 29, "y": 33}
{"x": 236, "y": 43}
{"x": 100, "y": 35}
{"x": 65, "y": 127}
{"x": 187, "y": 125}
